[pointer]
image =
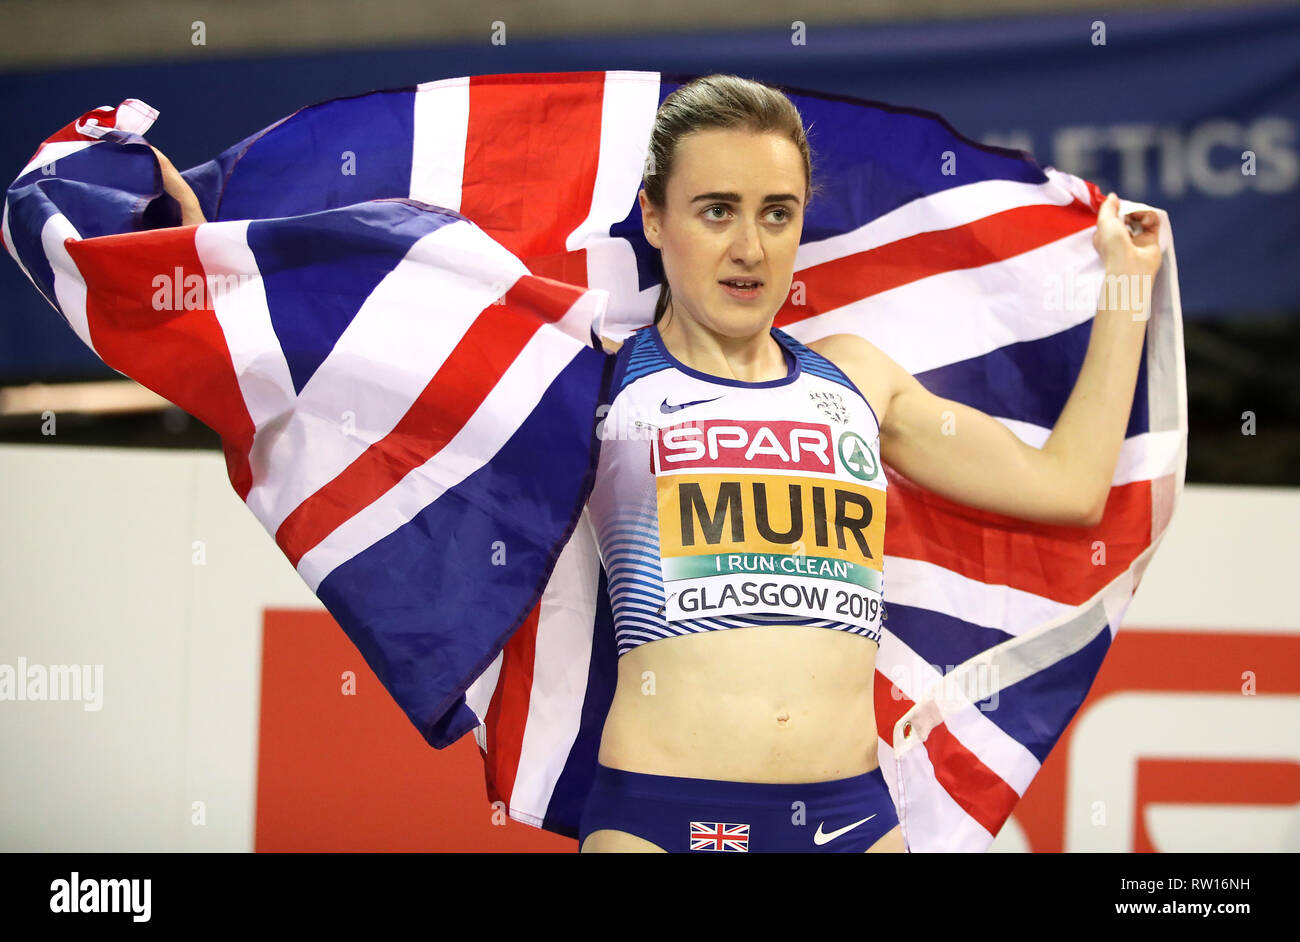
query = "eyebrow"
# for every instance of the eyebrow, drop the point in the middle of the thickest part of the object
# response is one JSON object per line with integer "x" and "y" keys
{"x": 735, "y": 197}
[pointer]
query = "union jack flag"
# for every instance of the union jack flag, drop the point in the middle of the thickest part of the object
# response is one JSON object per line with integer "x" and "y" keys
{"x": 712, "y": 835}
{"x": 395, "y": 310}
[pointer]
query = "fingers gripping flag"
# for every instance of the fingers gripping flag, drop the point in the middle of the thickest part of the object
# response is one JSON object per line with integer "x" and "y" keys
{"x": 393, "y": 319}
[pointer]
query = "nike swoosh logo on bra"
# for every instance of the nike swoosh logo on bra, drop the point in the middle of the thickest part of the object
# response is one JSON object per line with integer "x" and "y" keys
{"x": 821, "y": 838}
{"x": 665, "y": 408}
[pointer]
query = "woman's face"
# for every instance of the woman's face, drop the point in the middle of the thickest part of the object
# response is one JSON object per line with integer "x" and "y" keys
{"x": 733, "y": 209}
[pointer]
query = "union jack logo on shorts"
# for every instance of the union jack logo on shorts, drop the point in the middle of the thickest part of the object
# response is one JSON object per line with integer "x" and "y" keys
{"x": 713, "y": 835}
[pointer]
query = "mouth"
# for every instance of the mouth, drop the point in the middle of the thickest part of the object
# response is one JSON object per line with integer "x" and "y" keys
{"x": 742, "y": 288}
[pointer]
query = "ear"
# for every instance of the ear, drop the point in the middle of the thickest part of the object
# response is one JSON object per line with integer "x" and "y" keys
{"x": 649, "y": 220}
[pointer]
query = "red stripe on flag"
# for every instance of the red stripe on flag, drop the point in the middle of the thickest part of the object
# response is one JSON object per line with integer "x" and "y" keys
{"x": 459, "y": 387}
{"x": 975, "y": 787}
{"x": 547, "y": 144}
{"x": 1054, "y": 561}
{"x": 993, "y": 238}
{"x": 507, "y": 715}
{"x": 890, "y": 703}
{"x": 145, "y": 323}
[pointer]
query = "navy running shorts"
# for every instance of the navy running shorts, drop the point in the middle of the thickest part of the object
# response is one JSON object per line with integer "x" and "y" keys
{"x": 844, "y": 815}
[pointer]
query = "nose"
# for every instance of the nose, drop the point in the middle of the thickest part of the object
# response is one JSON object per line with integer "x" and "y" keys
{"x": 747, "y": 247}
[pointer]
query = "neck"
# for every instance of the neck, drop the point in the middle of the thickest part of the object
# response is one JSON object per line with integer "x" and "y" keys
{"x": 754, "y": 358}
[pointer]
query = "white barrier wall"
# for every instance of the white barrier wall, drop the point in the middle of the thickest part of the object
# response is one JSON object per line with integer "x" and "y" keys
{"x": 149, "y": 564}
{"x": 146, "y": 566}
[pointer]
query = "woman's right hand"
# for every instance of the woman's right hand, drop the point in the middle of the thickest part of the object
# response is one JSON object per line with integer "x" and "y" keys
{"x": 179, "y": 190}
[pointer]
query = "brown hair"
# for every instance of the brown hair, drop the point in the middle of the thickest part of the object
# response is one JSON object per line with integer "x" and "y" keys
{"x": 717, "y": 101}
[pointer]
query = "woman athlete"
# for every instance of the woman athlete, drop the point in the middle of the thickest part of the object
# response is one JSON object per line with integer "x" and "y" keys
{"x": 763, "y": 736}
{"x": 714, "y": 733}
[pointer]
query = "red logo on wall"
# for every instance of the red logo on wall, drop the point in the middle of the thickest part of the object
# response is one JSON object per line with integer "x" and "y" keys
{"x": 341, "y": 768}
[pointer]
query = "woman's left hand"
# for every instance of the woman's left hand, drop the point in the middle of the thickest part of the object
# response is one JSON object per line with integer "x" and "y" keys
{"x": 1121, "y": 252}
{"x": 179, "y": 190}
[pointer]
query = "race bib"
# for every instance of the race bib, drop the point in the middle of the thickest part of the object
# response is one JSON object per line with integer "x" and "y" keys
{"x": 778, "y": 517}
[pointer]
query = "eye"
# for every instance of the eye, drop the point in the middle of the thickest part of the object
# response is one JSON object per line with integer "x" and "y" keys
{"x": 785, "y": 216}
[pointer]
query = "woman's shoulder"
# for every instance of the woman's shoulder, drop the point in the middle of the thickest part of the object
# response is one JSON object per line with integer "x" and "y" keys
{"x": 865, "y": 364}
{"x": 851, "y": 351}
{"x": 848, "y": 348}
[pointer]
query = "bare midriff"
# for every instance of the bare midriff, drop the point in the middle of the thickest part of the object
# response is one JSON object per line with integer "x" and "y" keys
{"x": 770, "y": 703}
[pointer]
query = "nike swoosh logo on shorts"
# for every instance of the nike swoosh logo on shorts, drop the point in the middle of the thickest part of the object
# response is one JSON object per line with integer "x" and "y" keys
{"x": 665, "y": 408}
{"x": 821, "y": 838}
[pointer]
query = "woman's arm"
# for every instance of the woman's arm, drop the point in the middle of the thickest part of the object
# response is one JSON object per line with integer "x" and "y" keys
{"x": 968, "y": 456}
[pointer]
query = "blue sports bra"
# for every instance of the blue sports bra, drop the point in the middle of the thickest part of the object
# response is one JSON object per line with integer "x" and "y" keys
{"x": 720, "y": 503}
